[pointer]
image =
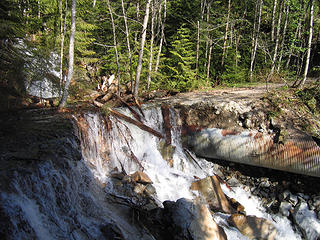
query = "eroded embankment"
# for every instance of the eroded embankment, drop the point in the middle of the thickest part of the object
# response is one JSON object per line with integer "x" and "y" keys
{"x": 262, "y": 130}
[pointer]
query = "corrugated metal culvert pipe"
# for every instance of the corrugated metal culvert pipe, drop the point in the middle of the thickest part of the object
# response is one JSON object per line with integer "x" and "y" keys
{"x": 300, "y": 156}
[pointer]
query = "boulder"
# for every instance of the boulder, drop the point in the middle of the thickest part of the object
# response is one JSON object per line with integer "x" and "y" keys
{"x": 236, "y": 205}
{"x": 253, "y": 227}
{"x": 204, "y": 227}
{"x": 211, "y": 191}
{"x": 139, "y": 188}
{"x": 118, "y": 175}
{"x": 140, "y": 177}
{"x": 112, "y": 231}
{"x": 167, "y": 151}
{"x": 189, "y": 220}
{"x": 285, "y": 208}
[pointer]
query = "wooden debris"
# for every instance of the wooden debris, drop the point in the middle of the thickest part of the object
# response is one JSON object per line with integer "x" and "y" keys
{"x": 107, "y": 97}
{"x": 97, "y": 104}
{"x": 135, "y": 122}
{"x": 139, "y": 107}
{"x": 134, "y": 113}
{"x": 134, "y": 158}
{"x": 166, "y": 121}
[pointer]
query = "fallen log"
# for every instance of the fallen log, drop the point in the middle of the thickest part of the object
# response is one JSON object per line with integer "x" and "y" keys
{"x": 107, "y": 97}
{"x": 135, "y": 122}
{"x": 139, "y": 106}
{"x": 134, "y": 113}
{"x": 166, "y": 122}
{"x": 97, "y": 104}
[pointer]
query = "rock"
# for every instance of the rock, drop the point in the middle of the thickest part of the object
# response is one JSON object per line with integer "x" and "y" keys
{"x": 265, "y": 183}
{"x": 285, "y": 195}
{"x": 211, "y": 191}
{"x": 307, "y": 221}
{"x": 167, "y": 152}
{"x": 140, "y": 177}
{"x": 112, "y": 231}
{"x": 150, "y": 189}
{"x": 303, "y": 196}
{"x": 285, "y": 208}
{"x": 236, "y": 205}
{"x": 139, "y": 188}
{"x": 118, "y": 175}
{"x": 253, "y": 227}
{"x": 233, "y": 182}
{"x": 316, "y": 203}
{"x": 189, "y": 220}
{"x": 204, "y": 227}
{"x": 293, "y": 199}
{"x": 310, "y": 205}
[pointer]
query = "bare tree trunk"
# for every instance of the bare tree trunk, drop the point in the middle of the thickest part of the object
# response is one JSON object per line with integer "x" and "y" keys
{"x": 153, "y": 16}
{"x": 226, "y": 34}
{"x": 198, "y": 37}
{"x": 301, "y": 56}
{"x": 256, "y": 29}
{"x": 275, "y": 54}
{"x": 138, "y": 20}
{"x": 115, "y": 44}
{"x": 158, "y": 19}
{"x": 309, "y": 46}
{"x": 39, "y": 8}
{"x": 293, "y": 43}
{"x": 203, "y": 8}
{"x": 237, "y": 46}
{"x": 231, "y": 35}
{"x": 162, "y": 36}
{"x": 143, "y": 39}
{"x": 239, "y": 37}
{"x": 208, "y": 37}
{"x": 283, "y": 35}
{"x": 71, "y": 55}
{"x": 94, "y": 3}
{"x": 62, "y": 36}
{"x": 198, "y": 47}
{"x": 209, "y": 61}
{"x": 128, "y": 44}
{"x": 273, "y": 19}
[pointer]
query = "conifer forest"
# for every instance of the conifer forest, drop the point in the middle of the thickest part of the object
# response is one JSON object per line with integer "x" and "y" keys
{"x": 179, "y": 45}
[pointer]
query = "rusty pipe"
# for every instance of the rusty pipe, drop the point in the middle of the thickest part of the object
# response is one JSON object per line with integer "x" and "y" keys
{"x": 258, "y": 149}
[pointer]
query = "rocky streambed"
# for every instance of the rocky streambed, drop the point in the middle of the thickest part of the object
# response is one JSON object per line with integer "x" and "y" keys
{"x": 281, "y": 193}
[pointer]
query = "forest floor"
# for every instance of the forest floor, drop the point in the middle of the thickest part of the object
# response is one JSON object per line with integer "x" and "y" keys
{"x": 239, "y": 93}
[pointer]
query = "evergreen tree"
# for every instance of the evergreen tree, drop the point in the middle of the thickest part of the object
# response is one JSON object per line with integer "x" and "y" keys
{"x": 11, "y": 63}
{"x": 182, "y": 61}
